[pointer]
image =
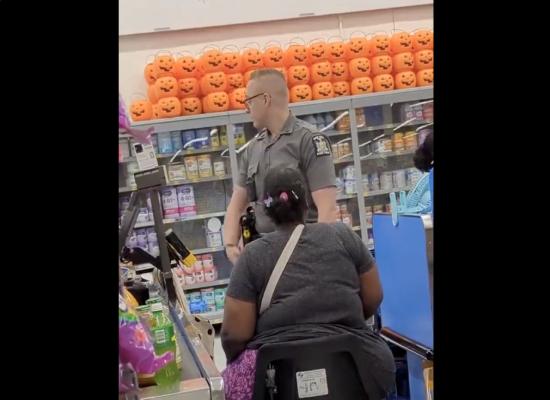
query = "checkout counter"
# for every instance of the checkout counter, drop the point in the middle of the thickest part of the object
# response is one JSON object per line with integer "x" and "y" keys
{"x": 404, "y": 255}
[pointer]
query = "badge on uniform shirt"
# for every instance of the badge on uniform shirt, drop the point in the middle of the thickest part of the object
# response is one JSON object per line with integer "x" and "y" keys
{"x": 322, "y": 147}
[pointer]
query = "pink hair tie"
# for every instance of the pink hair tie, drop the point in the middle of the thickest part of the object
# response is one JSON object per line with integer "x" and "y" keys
{"x": 283, "y": 196}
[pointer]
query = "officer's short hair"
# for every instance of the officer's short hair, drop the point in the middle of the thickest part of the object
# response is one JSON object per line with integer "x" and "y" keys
{"x": 268, "y": 72}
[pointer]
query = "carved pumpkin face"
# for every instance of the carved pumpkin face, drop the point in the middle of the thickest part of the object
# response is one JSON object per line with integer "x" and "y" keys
{"x": 232, "y": 62}
{"x": 404, "y": 80}
{"x": 191, "y": 106}
{"x": 424, "y": 59}
{"x": 300, "y": 93}
{"x": 403, "y": 62}
{"x": 211, "y": 61}
{"x": 295, "y": 54}
{"x": 361, "y": 85}
{"x": 169, "y": 107}
{"x": 340, "y": 71}
{"x": 341, "y": 88}
{"x": 425, "y": 77}
{"x": 141, "y": 110}
{"x": 322, "y": 90}
{"x": 423, "y": 39}
{"x": 380, "y": 44}
{"x": 321, "y": 72}
{"x": 359, "y": 67}
{"x": 166, "y": 87}
{"x": 400, "y": 42}
{"x": 234, "y": 81}
{"x": 186, "y": 67}
{"x": 152, "y": 94}
{"x": 189, "y": 87}
{"x": 164, "y": 66}
{"x": 357, "y": 47}
{"x": 236, "y": 99}
{"x": 252, "y": 59}
{"x": 383, "y": 83}
{"x": 215, "y": 102}
{"x": 150, "y": 74}
{"x": 298, "y": 75}
{"x": 336, "y": 51}
{"x": 213, "y": 82}
{"x": 317, "y": 51}
{"x": 381, "y": 65}
{"x": 273, "y": 57}
{"x": 156, "y": 114}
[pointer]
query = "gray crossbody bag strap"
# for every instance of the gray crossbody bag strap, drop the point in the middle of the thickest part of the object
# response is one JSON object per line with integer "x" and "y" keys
{"x": 280, "y": 267}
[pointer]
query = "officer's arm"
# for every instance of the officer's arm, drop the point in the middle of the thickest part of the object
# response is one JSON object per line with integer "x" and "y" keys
{"x": 325, "y": 200}
{"x": 321, "y": 177}
{"x": 236, "y": 208}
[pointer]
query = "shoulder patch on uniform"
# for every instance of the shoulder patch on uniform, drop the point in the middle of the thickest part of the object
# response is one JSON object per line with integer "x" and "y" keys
{"x": 322, "y": 147}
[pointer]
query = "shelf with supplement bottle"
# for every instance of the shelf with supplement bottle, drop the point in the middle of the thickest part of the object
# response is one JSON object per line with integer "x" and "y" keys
{"x": 202, "y": 285}
{"x": 168, "y": 221}
{"x": 181, "y": 182}
{"x": 208, "y": 250}
{"x": 374, "y": 193}
{"x": 190, "y": 152}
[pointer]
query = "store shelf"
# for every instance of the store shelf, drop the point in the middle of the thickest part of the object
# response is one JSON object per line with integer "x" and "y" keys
{"x": 382, "y": 156}
{"x": 303, "y": 108}
{"x": 208, "y": 250}
{"x": 185, "y": 153}
{"x": 181, "y": 219}
{"x": 344, "y": 160}
{"x": 342, "y": 196}
{"x": 182, "y": 182}
{"x": 356, "y": 228}
{"x": 220, "y": 282}
{"x": 388, "y": 191}
{"x": 215, "y": 317}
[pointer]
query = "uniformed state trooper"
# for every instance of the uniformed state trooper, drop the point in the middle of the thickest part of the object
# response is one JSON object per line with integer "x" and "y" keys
{"x": 283, "y": 141}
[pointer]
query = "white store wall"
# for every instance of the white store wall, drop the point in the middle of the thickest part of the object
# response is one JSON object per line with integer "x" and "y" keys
{"x": 136, "y": 50}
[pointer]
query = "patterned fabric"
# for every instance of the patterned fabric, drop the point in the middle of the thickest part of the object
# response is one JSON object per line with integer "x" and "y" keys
{"x": 239, "y": 376}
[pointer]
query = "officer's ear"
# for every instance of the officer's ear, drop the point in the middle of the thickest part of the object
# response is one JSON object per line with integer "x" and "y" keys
{"x": 267, "y": 98}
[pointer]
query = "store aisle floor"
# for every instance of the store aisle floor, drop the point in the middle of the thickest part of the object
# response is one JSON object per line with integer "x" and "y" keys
{"x": 219, "y": 355}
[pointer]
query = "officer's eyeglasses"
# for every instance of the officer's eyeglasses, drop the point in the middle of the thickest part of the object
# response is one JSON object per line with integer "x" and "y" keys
{"x": 248, "y": 100}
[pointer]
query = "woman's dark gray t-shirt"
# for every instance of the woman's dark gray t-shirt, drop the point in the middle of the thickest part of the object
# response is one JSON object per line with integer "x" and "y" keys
{"x": 320, "y": 284}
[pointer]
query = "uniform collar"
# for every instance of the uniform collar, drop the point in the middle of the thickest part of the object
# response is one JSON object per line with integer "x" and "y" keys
{"x": 287, "y": 129}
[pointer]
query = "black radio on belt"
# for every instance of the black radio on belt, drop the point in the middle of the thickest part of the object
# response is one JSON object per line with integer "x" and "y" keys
{"x": 248, "y": 226}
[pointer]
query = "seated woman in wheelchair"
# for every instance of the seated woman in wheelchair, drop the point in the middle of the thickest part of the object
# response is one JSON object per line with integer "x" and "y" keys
{"x": 330, "y": 286}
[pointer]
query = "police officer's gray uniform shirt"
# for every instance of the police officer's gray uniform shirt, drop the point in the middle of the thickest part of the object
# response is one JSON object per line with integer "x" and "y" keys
{"x": 299, "y": 146}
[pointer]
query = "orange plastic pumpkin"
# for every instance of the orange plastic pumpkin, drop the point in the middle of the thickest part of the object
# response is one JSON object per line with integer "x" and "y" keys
{"x": 234, "y": 81}
{"x": 164, "y": 65}
{"x": 380, "y": 44}
{"x": 282, "y": 70}
{"x": 155, "y": 111}
{"x": 423, "y": 39}
{"x": 322, "y": 90}
{"x": 141, "y": 110}
{"x": 252, "y": 59}
{"x": 357, "y": 47}
{"x": 300, "y": 93}
{"x": 381, "y": 65}
{"x": 186, "y": 67}
{"x": 383, "y": 83}
{"x": 361, "y": 85}
{"x": 166, "y": 86}
{"x": 236, "y": 99}
{"x": 189, "y": 87}
{"x": 340, "y": 71}
{"x": 215, "y": 102}
{"x": 359, "y": 67}
{"x": 341, "y": 88}
{"x": 273, "y": 56}
{"x": 298, "y": 75}
{"x": 150, "y": 74}
{"x": 400, "y": 42}
{"x": 336, "y": 51}
{"x": 213, "y": 82}
{"x": 405, "y": 80}
{"x": 211, "y": 61}
{"x": 424, "y": 59}
{"x": 295, "y": 54}
{"x": 317, "y": 51}
{"x": 425, "y": 77}
{"x": 232, "y": 62}
{"x": 169, "y": 107}
{"x": 321, "y": 72}
{"x": 152, "y": 94}
{"x": 191, "y": 106}
{"x": 403, "y": 62}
